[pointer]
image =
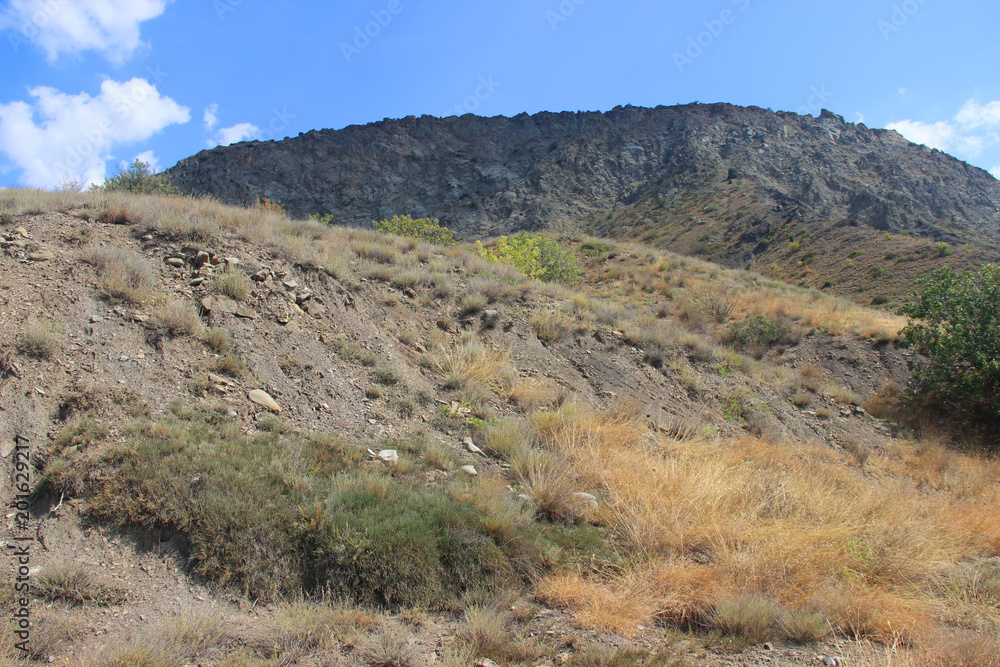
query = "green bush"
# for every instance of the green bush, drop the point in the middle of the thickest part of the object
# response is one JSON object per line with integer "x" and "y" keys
{"x": 757, "y": 332}
{"x": 955, "y": 329}
{"x": 536, "y": 256}
{"x": 424, "y": 229}
{"x": 137, "y": 177}
{"x": 287, "y": 513}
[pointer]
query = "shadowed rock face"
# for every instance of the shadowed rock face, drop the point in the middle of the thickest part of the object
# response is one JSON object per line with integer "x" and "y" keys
{"x": 484, "y": 176}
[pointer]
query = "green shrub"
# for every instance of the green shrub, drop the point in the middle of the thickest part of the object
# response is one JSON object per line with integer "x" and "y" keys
{"x": 424, "y": 229}
{"x": 536, "y": 256}
{"x": 287, "y": 513}
{"x": 137, "y": 177}
{"x": 955, "y": 329}
{"x": 943, "y": 249}
{"x": 757, "y": 333}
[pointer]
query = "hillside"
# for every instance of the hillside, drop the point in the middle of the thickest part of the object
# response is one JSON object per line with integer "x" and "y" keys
{"x": 739, "y": 186}
{"x": 265, "y": 441}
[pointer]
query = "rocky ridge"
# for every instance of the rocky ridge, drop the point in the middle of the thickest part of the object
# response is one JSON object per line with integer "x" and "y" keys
{"x": 488, "y": 176}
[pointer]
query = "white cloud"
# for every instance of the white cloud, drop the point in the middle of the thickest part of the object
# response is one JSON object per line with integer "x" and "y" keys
{"x": 975, "y": 115}
{"x": 996, "y": 172}
{"x": 57, "y": 136}
{"x": 234, "y": 134}
{"x": 149, "y": 158}
{"x": 110, "y": 27}
{"x": 861, "y": 117}
{"x": 940, "y": 135}
{"x": 211, "y": 117}
{"x": 969, "y": 132}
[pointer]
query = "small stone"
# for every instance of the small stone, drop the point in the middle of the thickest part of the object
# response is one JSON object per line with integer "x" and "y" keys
{"x": 262, "y": 398}
{"x": 388, "y": 455}
{"x": 484, "y": 662}
{"x": 219, "y": 304}
{"x": 197, "y": 281}
{"x": 246, "y": 312}
{"x": 201, "y": 259}
{"x": 175, "y": 262}
{"x": 215, "y": 379}
{"x": 289, "y": 283}
{"x": 41, "y": 256}
{"x": 469, "y": 470}
{"x": 315, "y": 308}
{"x": 94, "y": 319}
{"x": 523, "y": 497}
{"x": 303, "y": 296}
{"x": 768, "y": 646}
{"x": 233, "y": 413}
{"x": 260, "y": 276}
{"x": 563, "y": 658}
{"x": 6, "y": 448}
{"x": 215, "y": 261}
{"x": 585, "y": 498}
{"x": 490, "y": 318}
{"x": 231, "y": 262}
{"x": 22, "y": 232}
{"x": 471, "y": 446}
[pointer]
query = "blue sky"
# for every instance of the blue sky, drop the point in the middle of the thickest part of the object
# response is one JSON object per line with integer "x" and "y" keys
{"x": 88, "y": 84}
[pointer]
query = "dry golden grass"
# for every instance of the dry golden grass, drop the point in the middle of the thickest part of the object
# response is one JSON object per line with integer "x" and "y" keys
{"x": 473, "y": 363}
{"x": 708, "y": 522}
{"x": 123, "y": 276}
{"x": 176, "y": 318}
{"x": 234, "y": 284}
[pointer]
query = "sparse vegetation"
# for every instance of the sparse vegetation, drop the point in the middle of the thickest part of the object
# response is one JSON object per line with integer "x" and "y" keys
{"x": 41, "y": 338}
{"x": 698, "y": 511}
{"x": 176, "y": 318}
{"x": 233, "y": 283}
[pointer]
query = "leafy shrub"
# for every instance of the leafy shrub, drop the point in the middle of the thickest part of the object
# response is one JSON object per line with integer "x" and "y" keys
{"x": 757, "y": 333}
{"x": 424, "y": 229}
{"x": 955, "y": 329}
{"x": 137, "y": 177}
{"x": 943, "y": 249}
{"x": 535, "y": 256}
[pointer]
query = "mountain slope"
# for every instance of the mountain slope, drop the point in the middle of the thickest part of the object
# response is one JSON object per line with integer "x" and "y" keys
{"x": 670, "y": 460}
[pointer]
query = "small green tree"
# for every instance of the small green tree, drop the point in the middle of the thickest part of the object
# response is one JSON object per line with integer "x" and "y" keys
{"x": 426, "y": 229}
{"x": 536, "y": 256}
{"x": 137, "y": 177}
{"x": 955, "y": 328}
